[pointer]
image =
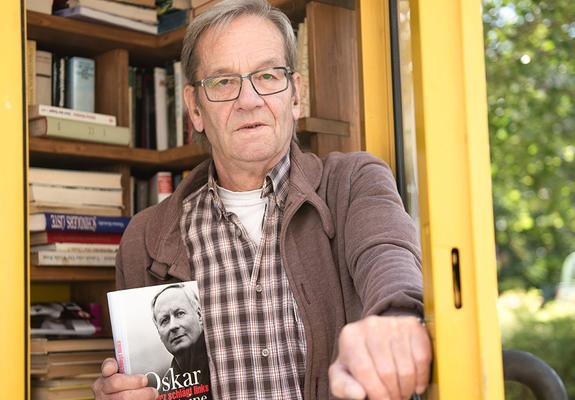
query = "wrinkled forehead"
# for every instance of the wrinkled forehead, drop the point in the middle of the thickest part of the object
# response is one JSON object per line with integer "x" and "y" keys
{"x": 247, "y": 37}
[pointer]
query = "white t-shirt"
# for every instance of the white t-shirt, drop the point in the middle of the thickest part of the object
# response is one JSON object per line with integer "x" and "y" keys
{"x": 249, "y": 207}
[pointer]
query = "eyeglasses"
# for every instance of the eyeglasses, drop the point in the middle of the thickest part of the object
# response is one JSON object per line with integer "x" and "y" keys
{"x": 227, "y": 87}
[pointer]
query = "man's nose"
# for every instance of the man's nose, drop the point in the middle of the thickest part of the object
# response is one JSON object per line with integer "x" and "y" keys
{"x": 249, "y": 97}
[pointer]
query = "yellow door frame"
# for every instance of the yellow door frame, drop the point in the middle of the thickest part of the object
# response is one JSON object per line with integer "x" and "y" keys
{"x": 13, "y": 242}
{"x": 454, "y": 183}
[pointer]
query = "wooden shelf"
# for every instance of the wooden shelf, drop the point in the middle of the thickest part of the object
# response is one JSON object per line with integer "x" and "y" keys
{"x": 71, "y": 274}
{"x": 61, "y": 153}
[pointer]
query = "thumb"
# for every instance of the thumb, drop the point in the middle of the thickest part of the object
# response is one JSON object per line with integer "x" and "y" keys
{"x": 109, "y": 367}
{"x": 343, "y": 385}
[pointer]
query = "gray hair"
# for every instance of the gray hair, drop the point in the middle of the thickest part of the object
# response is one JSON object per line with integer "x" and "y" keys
{"x": 218, "y": 17}
{"x": 192, "y": 297}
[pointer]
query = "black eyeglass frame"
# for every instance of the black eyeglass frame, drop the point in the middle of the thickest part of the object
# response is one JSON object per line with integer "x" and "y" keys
{"x": 287, "y": 70}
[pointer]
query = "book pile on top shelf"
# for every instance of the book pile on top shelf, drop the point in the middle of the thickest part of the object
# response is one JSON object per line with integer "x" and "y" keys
{"x": 61, "y": 97}
{"x": 75, "y": 217}
{"x": 148, "y": 16}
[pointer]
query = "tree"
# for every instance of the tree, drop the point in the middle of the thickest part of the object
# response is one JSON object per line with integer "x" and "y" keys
{"x": 530, "y": 62}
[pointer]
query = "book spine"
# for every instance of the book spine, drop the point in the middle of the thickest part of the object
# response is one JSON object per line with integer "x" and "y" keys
{"x": 75, "y": 130}
{"x": 161, "y": 187}
{"x": 56, "y": 258}
{"x": 75, "y": 196}
{"x": 43, "y": 77}
{"x": 171, "y": 105}
{"x": 76, "y": 247}
{"x": 80, "y": 85}
{"x": 179, "y": 102}
{"x": 85, "y": 223}
{"x": 74, "y": 237}
{"x": 161, "y": 106}
{"x": 31, "y": 71}
{"x": 73, "y": 115}
{"x": 119, "y": 332}
{"x": 62, "y": 82}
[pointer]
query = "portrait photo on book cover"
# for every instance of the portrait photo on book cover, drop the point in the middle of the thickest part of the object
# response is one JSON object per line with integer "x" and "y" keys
{"x": 158, "y": 331}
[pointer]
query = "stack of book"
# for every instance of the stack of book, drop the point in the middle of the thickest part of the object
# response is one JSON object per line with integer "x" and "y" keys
{"x": 147, "y": 192}
{"x": 66, "y": 368}
{"x": 139, "y": 15}
{"x": 75, "y": 217}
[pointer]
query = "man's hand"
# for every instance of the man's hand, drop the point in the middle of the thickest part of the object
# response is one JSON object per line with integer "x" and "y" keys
{"x": 115, "y": 386}
{"x": 382, "y": 358}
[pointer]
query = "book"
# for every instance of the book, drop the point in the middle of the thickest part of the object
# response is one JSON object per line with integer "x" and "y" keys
{"x": 76, "y": 223}
{"x": 75, "y": 178}
{"x": 161, "y": 187}
{"x": 143, "y": 3}
{"x": 75, "y": 130}
{"x": 75, "y": 196}
{"x": 31, "y": 71}
{"x": 76, "y": 259}
{"x": 41, "y": 6}
{"x": 161, "y": 107}
{"x": 172, "y": 20}
{"x": 81, "y": 84}
{"x": 76, "y": 247}
{"x": 179, "y": 102}
{"x": 43, "y": 110}
{"x": 91, "y": 15}
{"x": 42, "y": 238}
{"x": 60, "y": 208}
{"x": 171, "y": 104}
{"x": 158, "y": 332}
{"x": 41, "y": 393}
{"x": 142, "y": 14}
{"x": 43, "y": 77}
{"x": 45, "y": 345}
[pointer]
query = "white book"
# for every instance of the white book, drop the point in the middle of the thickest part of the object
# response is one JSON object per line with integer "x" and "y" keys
{"x": 74, "y": 178}
{"x": 89, "y": 14}
{"x": 161, "y": 187}
{"x": 75, "y": 196}
{"x": 41, "y": 6}
{"x": 179, "y": 102}
{"x": 143, "y": 14}
{"x": 161, "y": 106}
{"x": 77, "y": 259}
{"x": 42, "y": 110}
{"x": 152, "y": 326}
{"x": 76, "y": 248}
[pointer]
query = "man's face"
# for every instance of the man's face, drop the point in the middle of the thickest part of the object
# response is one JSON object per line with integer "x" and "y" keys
{"x": 252, "y": 128}
{"x": 177, "y": 321}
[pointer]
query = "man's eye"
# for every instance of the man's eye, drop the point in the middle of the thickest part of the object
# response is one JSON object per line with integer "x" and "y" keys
{"x": 223, "y": 82}
{"x": 180, "y": 314}
{"x": 268, "y": 77}
{"x": 163, "y": 321}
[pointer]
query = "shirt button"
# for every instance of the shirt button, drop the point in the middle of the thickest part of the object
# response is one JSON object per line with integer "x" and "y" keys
{"x": 259, "y": 288}
{"x": 265, "y": 352}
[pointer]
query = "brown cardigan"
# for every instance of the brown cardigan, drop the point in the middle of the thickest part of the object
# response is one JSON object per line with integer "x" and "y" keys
{"x": 348, "y": 247}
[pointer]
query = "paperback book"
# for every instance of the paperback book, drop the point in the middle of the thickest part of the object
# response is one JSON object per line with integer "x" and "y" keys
{"x": 158, "y": 332}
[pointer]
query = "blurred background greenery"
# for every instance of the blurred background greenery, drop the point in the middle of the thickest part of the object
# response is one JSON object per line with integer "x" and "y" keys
{"x": 530, "y": 63}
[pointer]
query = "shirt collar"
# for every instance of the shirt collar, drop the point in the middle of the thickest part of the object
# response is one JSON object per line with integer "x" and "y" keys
{"x": 276, "y": 182}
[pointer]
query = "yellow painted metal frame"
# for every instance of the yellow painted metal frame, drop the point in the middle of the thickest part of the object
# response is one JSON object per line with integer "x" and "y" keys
{"x": 455, "y": 197}
{"x": 13, "y": 242}
{"x": 376, "y": 70}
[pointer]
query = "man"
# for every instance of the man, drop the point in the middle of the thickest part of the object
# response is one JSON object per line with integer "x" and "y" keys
{"x": 303, "y": 265}
{"x": 178, "y": 320}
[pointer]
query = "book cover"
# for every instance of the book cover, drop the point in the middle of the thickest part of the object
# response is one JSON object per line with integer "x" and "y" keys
{"x": 158, "y": 332}
{"x": 41, "y": 238}
{"x": 81, "y": 84}
{"x": 43, "y": 110}
{"x": 142, "y": 14}
{"x": 89, "y": 14}
{"x": 76, "y": 130}
{"x": 76, "y": 223}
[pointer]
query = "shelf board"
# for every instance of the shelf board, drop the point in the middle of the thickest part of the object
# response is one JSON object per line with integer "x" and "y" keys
{"x": 53, "y": 152}
{"x": 71, "y": 274}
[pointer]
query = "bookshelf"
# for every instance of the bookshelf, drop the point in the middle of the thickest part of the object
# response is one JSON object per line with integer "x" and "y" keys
{"x": 335, "y": 106}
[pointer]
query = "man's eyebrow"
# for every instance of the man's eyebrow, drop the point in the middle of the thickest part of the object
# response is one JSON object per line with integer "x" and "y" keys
{"x": 270, "y": 62}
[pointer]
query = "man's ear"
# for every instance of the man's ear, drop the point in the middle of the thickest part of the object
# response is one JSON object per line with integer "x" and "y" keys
{"x": 194, "y": 110}
{"x": 296, "y": 80}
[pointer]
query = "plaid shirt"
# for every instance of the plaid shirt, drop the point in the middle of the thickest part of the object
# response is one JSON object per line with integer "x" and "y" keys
{"x": 254, "y": 335}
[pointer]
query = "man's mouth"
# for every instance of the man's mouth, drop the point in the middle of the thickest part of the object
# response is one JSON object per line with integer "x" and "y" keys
{"x": 252, "y": 125}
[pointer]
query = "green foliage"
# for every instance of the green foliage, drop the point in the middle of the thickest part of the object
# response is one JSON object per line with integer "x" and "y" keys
{"x": 546, "y": 331}
{"x": 530, "y": 48}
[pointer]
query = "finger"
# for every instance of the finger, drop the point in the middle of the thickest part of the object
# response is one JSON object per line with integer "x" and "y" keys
{"x": 342, "y": 384}
{"x": 380, "y": 351}
{"x": 404, "y": 363}
{"x": 421, "y": 353}
{"x": 109, "y": 367}
{"x": 120, "y": 382}
{"x": 363, "y": 370}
